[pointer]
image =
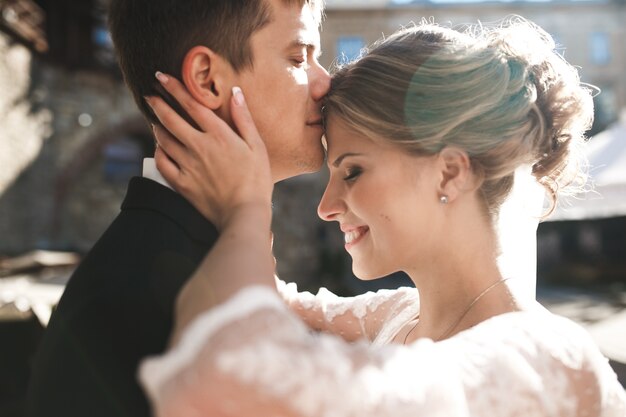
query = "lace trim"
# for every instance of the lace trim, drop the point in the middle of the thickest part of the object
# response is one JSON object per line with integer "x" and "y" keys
{"x": 156, "y": 370}
{"x": 409, "y": 312}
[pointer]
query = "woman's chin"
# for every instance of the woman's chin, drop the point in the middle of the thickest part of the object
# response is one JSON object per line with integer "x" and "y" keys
{"x": 364, "y": 273}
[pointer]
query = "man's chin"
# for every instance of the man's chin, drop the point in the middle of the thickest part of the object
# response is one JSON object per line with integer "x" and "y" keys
{"x": 317, "y": 163}
{"x": 314, "y": 163}
{"x": 302, "y": 167}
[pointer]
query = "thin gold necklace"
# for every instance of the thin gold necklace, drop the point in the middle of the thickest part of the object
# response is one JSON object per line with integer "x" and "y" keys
{"x": 467, "y": 310}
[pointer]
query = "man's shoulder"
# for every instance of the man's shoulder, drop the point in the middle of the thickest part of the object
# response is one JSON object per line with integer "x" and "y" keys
{"x": 148, "y": 201}
{"x": 156, "y": 233}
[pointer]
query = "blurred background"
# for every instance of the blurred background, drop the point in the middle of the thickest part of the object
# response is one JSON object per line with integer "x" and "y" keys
{"x": 71, "y": 138}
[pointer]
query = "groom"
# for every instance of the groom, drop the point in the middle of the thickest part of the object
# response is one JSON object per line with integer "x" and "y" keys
{"x": 117, "y": 307}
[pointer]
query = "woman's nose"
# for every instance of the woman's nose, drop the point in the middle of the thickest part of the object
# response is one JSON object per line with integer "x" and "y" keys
{"x": 331, "y": 205}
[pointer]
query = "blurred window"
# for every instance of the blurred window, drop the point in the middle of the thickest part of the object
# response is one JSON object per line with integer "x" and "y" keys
{"x": 600, "y": 48}
{"x": 349, "y": 48}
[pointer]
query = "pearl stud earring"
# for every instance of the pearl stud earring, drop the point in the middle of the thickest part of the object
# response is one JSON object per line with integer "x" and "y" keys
{"x": 443, "y": 199}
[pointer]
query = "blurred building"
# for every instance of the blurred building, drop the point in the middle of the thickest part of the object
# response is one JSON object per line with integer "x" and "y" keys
{"x": 589, "y": 33}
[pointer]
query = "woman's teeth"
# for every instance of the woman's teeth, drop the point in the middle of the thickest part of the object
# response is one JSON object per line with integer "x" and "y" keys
{"x": 352, "y": 235}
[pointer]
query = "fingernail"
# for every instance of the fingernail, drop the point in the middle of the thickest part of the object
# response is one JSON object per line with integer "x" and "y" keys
{"x": 147, "y": 99}
{"x": 238, "y": 95}
{"x": 161, "y": 77}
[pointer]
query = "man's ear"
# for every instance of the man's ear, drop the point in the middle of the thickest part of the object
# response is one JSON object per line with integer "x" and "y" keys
{"x": 205, "y": 75}
{"x": 456, "y": 173}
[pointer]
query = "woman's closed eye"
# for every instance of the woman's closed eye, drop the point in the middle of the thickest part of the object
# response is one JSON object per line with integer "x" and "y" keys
{"x": 352, "y": 173}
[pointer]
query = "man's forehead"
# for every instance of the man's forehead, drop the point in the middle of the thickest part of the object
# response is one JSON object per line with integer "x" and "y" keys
{"x": 296, "y": 22}
{"x": 316, "y": 7}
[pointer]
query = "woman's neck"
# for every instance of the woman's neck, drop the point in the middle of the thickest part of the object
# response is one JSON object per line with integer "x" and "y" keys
{"x": 461, "y": 286}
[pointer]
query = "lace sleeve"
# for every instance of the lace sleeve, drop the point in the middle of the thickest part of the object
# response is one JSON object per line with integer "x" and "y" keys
{"x": 252, "y": 357}
{"x": 373, "y": 316}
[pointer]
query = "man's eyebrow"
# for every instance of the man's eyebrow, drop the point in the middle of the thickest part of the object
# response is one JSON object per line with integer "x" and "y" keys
{"x": 304, "y": 43}
{"x": 344, "y": 156}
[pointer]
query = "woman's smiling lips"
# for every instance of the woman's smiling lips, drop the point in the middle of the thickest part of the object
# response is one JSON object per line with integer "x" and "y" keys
{"x": 353, "y": 235}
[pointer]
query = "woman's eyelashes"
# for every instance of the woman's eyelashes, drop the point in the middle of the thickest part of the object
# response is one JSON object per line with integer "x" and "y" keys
{"x": 352, "y": 173}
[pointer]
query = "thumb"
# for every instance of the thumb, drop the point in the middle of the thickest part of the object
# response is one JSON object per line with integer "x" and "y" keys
{"x": 243, "y": 119}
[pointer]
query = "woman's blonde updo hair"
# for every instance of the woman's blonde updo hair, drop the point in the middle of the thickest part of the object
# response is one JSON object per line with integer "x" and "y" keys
{"x": 502, "y": 94}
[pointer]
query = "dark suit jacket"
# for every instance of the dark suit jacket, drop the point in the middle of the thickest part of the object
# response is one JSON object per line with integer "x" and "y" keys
{"x": 117, "y": 307}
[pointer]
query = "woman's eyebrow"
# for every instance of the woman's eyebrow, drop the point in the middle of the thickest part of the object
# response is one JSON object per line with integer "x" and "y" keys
{"x": 343, "y": 156}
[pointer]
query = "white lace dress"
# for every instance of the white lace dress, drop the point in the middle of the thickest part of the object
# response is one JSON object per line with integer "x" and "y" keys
{"x": 252, "y": 356}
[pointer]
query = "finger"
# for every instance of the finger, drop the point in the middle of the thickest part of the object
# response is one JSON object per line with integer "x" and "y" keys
{"x": 170, "y": 171}
{"x": 243, "y": 119}
{"x": 204, "y": 117}
{"x": 174, "y": 149}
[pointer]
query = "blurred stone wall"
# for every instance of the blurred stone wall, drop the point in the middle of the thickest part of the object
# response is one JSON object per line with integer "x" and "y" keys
{"x": 24, "y": 130}
{"x": 53, "y": 124}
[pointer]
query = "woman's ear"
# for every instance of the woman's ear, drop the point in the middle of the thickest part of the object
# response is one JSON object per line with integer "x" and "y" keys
{"x": 456, "y": 173}
{"x": 205, "y": 73}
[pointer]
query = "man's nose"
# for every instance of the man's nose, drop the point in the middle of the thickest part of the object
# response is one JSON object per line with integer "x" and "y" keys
{"x": 320, "y": 81}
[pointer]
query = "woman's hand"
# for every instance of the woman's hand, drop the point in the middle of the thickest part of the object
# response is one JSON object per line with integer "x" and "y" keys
{"x": 214, "y": 168}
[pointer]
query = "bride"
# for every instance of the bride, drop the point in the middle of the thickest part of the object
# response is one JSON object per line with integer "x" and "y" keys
{"x": 424, "y": 134}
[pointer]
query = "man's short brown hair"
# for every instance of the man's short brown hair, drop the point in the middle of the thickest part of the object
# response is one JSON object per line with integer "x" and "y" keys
{"x": 155, "y": 35}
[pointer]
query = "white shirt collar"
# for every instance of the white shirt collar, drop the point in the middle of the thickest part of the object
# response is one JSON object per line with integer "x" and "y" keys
{"x": 151, "y": 172}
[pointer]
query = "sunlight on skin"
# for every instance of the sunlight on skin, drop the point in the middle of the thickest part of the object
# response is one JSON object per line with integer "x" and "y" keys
{"x": 517, "y": 228}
